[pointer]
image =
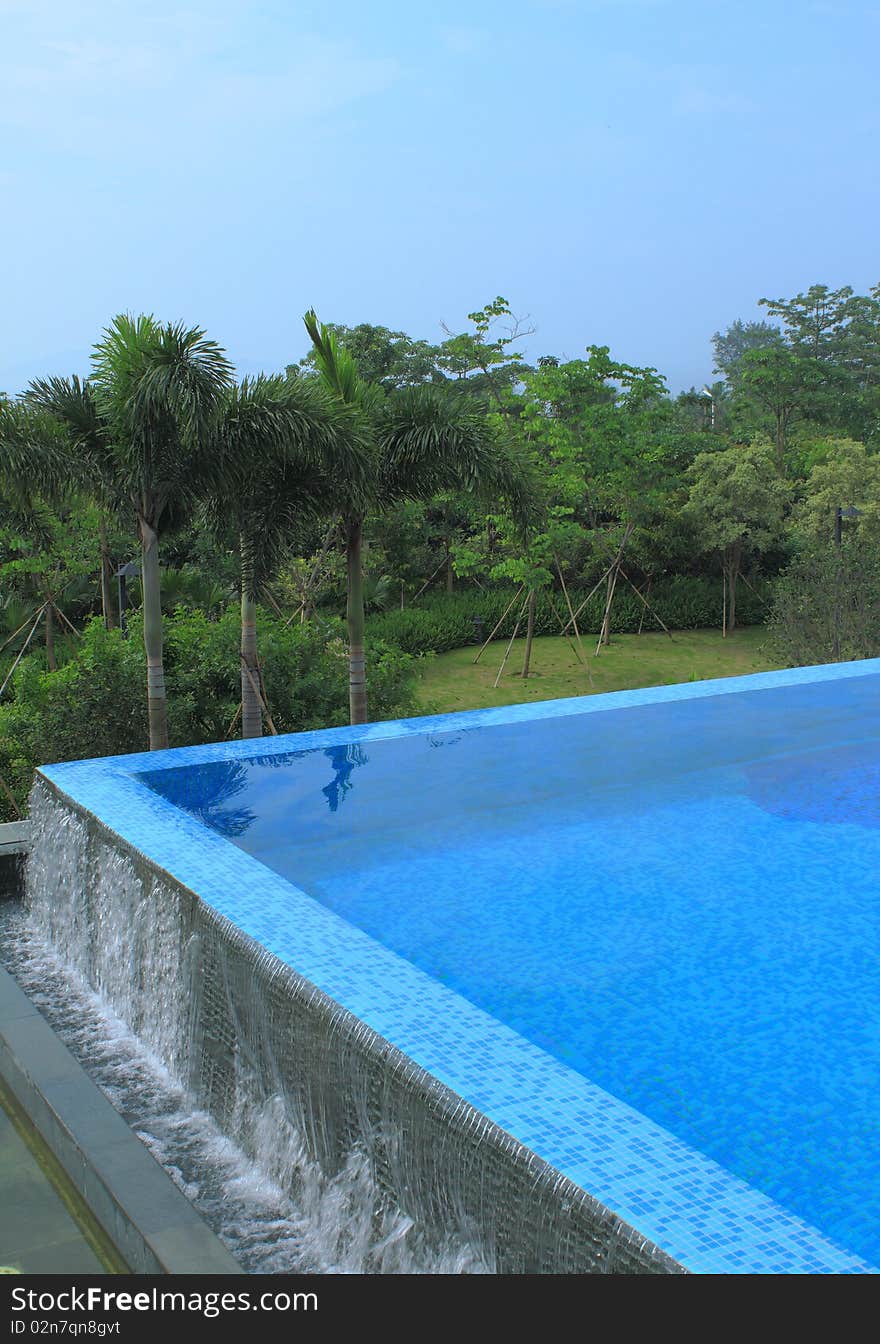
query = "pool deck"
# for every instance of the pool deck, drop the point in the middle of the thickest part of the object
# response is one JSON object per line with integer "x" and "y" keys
{"x": 48, "y": 1234}
{"x": 126, "y": 1200}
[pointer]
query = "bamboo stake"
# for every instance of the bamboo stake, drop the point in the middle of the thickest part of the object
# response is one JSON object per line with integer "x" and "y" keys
{"x": 603, "y": 632}
{"x": 27, "y": 620}
{"x": 272, "y": 603}
{"x": 235, "y": 720}
{"x": 256, "y": 690}
{"x": 9, "y": 794}
{"x": 574, "y": 649}
{"x": 430, "y": 580}
{"x": 23, "y": 650}
{"x": 263, "y": 692}
{"x": 558, "y": 616}
{"x": 645, "y": 608}
{"x": 59, "y": 612}
{"x": 577, "y": 632}
{"x": 595, "y": 587}
{"x": 624, "y": 575}
{"x": 485, "y": 646}
{"x": 510, "y": 645}
{"x": 307, "y": 587}
{"x": 743, "y": 579}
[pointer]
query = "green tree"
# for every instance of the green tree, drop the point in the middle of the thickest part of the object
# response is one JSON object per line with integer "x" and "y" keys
{"x": 284, "y": 442}
{"x": 739, "y": 339}
{"x": 848, "y": 477}
{"x": 159, "y": 388}
{"x": 786, "y": 388}
{"x": 482, "y": 361}
{"x": 389, "y": 358}
{"x": 814, "y": 323}
{"x": 421, "y": 442}
{"x": 89, "y": 465}
{"x": 737, "y": 501}
{"x": 826, "y": 605}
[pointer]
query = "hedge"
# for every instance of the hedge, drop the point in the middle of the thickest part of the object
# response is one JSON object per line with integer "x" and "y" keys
{"x": 447, "y": 621}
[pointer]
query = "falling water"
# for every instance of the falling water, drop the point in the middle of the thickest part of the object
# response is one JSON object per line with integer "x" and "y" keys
{"x": 106, "y": 952}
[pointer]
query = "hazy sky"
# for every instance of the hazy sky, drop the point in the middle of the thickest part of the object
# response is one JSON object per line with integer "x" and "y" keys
{"x": 632, "y": 173}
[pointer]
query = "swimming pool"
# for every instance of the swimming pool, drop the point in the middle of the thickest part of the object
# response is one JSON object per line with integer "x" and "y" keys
{"x": 637, "y": 931}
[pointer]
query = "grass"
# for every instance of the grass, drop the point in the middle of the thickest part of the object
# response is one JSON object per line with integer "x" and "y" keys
{"x": 450, "y": 681}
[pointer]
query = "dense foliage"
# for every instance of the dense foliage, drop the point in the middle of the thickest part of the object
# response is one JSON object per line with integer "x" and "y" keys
{"x": 382, "y": 473}
{"x": 93, "y": 704}
{"x": 827, "y": 606}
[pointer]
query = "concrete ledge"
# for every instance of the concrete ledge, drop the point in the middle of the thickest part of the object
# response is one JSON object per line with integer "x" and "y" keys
{"x": 153, "y": 1225}
{"x": 14, "y": 837}
{"x": 14, "y": 842}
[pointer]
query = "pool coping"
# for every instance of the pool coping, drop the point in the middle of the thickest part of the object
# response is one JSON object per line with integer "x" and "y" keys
{"x": 702, "y": 1216}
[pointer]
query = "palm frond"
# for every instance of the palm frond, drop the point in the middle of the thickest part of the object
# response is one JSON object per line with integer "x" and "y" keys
{"x": 184, "y": 377}
{"x": 33, "y": 448}
{"x": 69, "y": 402}
{"x": 339, "y": 369}
{"x": 432, "y": 442}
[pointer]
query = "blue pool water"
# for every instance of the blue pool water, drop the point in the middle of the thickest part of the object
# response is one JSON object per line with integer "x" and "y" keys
{"x": 677, "y": 900}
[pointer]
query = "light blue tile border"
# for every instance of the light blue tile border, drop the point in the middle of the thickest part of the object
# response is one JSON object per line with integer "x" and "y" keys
{"x": 700, "y": 1214}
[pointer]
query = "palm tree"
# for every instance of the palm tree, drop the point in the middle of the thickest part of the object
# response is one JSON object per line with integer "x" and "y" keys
{"x": 32, "y": 460}
{"x": 422, "y": 442}
{"x": 285, "y": 443}
{"x": 91, "y": 464}
{"x": 32, "y": 478}
{"x": 158, "y": 389}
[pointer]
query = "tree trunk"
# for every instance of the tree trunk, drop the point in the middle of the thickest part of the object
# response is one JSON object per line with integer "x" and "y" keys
{"x": 450, "y": 577}
{"x": 157, "y": 708}
{"x": 357, "y": 675}
{"x": 251, "y": 709}
{"x": 780, "y": 442}
{"x": 49, "y": 617}
{"x": 106, "y": 578}
{"x": 731, "y": 569}
{"x": 530, "y": 634}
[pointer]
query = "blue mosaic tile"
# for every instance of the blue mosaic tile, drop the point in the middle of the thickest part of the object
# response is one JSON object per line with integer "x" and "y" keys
{"x": 689, "y": 1204}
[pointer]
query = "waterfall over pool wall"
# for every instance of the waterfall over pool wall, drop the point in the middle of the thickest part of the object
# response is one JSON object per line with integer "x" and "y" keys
{"x": 294, "y": 1079}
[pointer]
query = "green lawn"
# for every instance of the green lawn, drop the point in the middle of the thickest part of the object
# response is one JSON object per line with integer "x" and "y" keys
{"x": 450, "y": 681}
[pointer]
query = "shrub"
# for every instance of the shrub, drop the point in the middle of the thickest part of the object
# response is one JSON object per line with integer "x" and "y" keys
{"x": 441, "y": 622}
{"x": 95, "y": 705}
{"x": 827, "y": 605}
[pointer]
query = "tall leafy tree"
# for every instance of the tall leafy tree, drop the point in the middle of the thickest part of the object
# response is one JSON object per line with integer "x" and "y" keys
{"x": 482, "y": 361}
{"x": 848, "y": 477}
{"x": 390, "y": 358}
{"x": 815, "y": 322}
{"x": 159, "y": 389}
{"x": 736, "y": 500}
{"x": 782, "y": 388}
{"x": 739, "y": 339}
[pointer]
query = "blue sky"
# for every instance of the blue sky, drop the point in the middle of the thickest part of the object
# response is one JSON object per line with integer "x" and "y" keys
{"x": 632, "y": 173}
